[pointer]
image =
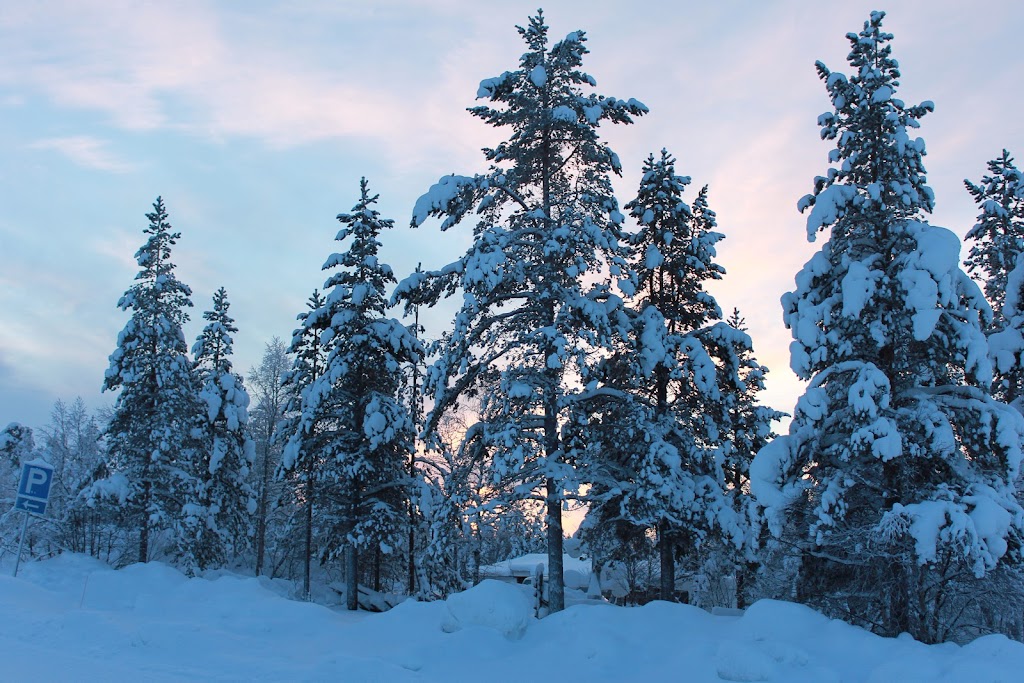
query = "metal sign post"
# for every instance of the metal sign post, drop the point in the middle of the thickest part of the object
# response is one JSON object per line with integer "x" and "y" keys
{"x": 33, "y": 495}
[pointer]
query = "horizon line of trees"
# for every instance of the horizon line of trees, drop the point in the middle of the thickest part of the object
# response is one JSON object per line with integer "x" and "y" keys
{"x": 587, "y": 364}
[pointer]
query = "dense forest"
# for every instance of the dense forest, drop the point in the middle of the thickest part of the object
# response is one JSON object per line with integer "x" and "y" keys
{"x": 588, "y": 368}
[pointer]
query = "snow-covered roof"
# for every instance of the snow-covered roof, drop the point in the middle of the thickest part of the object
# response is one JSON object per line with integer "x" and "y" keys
{"x": 524, "y": 565}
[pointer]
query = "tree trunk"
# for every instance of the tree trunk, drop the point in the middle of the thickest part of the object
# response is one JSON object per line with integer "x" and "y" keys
{"x": 743, "y": 573}
{"x": 552, "y": 448}
{"x": 899, "y": 598}
{"x": 667, "y": 550}
{"x": 376, "y": 568}
{"x": 666, "y": 546}
{"x": 411, "y": 580}
{"x": 477, "y": 543}
{"x": 556, "y": 580}
{"x": 144, "y": 531}
{"x": 309, "y": 533}
{"x": 351, "y": 577}
{"x": 415, "y": 406}
{"x": 261, "y": 514}
{"x": 897, "y": 578}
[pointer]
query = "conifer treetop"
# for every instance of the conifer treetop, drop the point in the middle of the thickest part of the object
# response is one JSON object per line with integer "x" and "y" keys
{"x": 547, "y": 219}
{"x": 675, "y": 245}
{"x": 159, "y": 302}
{"x": 154, "y": 258}
{"x": 214, "y": 347}
{"x": 998, "y": 234}
{"x": 546, "y": 92}
{"x": 348, "y": 355}
{"x": 878, "y": 169}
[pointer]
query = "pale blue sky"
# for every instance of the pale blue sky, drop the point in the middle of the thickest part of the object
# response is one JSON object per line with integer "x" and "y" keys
{"x": 255, "y": 121}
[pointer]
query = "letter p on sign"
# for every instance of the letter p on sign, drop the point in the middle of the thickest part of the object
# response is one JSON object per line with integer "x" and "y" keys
{"x": 38, "y": 481}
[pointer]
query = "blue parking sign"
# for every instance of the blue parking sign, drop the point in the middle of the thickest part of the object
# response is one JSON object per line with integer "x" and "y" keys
{"x": 34, "y": 488}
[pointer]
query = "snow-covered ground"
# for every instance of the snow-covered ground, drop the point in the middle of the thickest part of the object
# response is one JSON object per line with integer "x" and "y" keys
{"x": 73, "y": 619}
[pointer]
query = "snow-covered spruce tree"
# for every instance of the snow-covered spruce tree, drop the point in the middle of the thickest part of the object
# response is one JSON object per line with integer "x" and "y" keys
{"x": 1006, "y": 345}
{"x": 304, "y": 461}
{"x": 216, "y": 516}
{"x": 998, "y": 238}
{"x": 659, "y": 425}
{"x": 535, "y": 298}
{"x": 149, "y": 436}
{"x": 351, "y": 414}
{"x": 896, "y": 476}
{"x": 17, "y": 446}
{"x": 411, "y": 393}
{"x": 746, "y": 429}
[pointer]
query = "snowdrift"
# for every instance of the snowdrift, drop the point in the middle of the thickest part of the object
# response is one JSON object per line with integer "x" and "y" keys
{"x": 73, "y": 618}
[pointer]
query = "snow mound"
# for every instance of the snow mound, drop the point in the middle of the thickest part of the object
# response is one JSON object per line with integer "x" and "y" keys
{"x": 736, "y": 661}
{"x": 503, "y": 607}
{"x": 73, "y": 618}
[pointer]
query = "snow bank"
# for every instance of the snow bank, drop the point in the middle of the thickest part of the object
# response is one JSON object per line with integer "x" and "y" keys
{"x": 503, "y": 607}
{"x": 72, "y": 618}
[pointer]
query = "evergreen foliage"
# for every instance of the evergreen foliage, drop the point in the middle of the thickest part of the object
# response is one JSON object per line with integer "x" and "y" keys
{"x": 896, "y": 478}
{"x": 995, "y": 259}
{"x": 216, "y": 518}
{"x": 150, "y": 436}
{"x": 1006, "y": 345}
{"x": 16, "y": 445}
{"x": 351, "y": 414}
{"x": 746, "y": 427}
{"x": 309, "y": 357}
{"x": 998, "y": 236}
{"x": 535, "y": 297}
{"x": 669, "y": 398}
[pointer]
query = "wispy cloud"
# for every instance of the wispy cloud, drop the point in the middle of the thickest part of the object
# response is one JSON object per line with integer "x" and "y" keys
{"x": 216, "y": 74}
{"x": 86, "y": 151}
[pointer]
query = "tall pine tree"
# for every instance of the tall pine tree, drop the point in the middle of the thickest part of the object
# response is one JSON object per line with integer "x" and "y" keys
{"x": 150, "y": 433}
{"x": 897, "y": 471}
{"x": 353, "y": 411}
{"x": 670, "y": 391}
{"x": 998, "y": 238}
{"x": 1006, "y": 344}
{"x": 535, "y": 302}
{"x": 215, "y": 522}
{"x": 304, "y": 460}
{"x": 746, "y": 427}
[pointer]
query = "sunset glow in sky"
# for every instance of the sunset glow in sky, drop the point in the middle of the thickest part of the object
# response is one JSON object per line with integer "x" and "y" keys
{"x": 255, "y": 121}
